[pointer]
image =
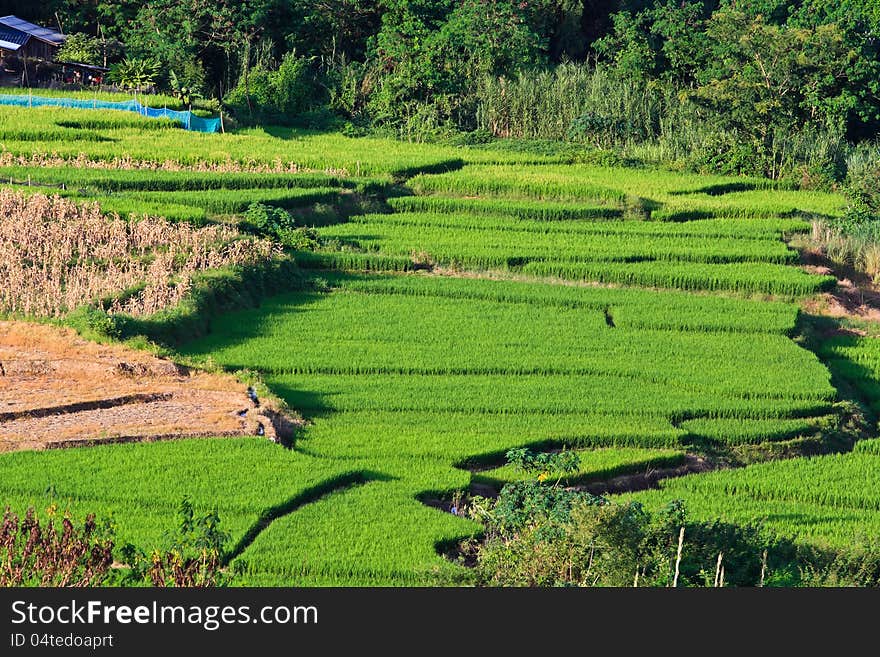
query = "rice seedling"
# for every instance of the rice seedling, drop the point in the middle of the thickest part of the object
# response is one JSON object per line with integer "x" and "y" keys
{"x": 537, "y": 211}
{"x": 476, "y": 246}
{"x": 813, "y": 499}
{"x": 740, "y": 430}
{"x": 745, "y": 277}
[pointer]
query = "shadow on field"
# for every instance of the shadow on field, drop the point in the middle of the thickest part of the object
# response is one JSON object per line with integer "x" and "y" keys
{"x": 307, "y": 402}
{"x": 444, "y": 166}
{"x": 853, "y": 381}
{"x": 292, "y": 133}
{"x": 308, "y": 496}
{"x": 241, "y": 316}
{"x": 719, "y": 189}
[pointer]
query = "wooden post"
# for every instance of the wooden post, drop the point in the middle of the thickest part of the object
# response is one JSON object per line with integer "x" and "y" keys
{"x": 718, "y": 569}
{"x": 678, "y": 556}
{"x": 763, "y": 568}
{"x": 222, "y": 128}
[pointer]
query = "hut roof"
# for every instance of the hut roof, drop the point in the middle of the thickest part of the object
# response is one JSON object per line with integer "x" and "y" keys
{"x": 21, "y": 30}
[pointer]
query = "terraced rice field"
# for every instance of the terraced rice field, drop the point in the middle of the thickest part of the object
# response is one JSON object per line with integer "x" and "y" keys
{"x": 828, "y": 500}
{"x": 494, "y": 300}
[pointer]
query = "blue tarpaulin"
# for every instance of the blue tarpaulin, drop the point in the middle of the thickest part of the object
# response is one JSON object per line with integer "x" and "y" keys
{"x": 187, "y": 120}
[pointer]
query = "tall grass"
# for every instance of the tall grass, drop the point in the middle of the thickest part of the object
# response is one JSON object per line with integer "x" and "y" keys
{"x": 647, "y": 120}
{"x": 544, "y": 104}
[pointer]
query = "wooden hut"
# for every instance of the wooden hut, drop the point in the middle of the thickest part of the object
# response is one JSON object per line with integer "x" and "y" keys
{"x": 25, "y": 40}
{"x": 27, "y": 50}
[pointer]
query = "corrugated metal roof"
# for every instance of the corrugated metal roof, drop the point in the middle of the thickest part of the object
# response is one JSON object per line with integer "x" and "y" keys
{"x": 42, "y": 33}
{"x": 13, "y": 37}
{"x": 6, "y": 45}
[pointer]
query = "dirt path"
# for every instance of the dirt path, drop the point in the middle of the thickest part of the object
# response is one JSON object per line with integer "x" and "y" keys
{"x": 650, "y": 478}
{"x": 58, "y": 390}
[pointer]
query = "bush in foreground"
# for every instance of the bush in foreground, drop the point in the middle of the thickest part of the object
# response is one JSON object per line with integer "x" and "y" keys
{"x": 63, "y": 554}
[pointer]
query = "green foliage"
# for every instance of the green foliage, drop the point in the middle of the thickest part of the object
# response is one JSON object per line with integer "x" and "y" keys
{"x": 184, "y": 92}
{"x": 763, "y": 79}
{"x": 863, "y": 181}
{"x": 94, "y": 323}
{"x": 193, "y": 558}
{"x": 197, "y": 532}
{"x": 278, "y": 223}
{"x": 268, "y": 219}
{"x": 433, "y": 59}
{"x": 541, "y": 535}
{"x": 519, "y": 503}
{"x": 79, "y": 49}
{"x": 546, "y": 463}
{"x": 348, "y": 91}
{"x": 136, "y": 74}
{"x": 275, "y": 94}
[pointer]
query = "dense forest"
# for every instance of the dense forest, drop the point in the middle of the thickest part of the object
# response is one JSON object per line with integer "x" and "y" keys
{"x": 789, "y": 89}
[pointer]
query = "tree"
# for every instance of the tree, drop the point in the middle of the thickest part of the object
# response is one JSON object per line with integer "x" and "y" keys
{"x": 195, "y": 558}
{"x": 333, "y": 28}
{"x": 434, "y": 55}
{"x": 276, "y": 94}
{"x": 79, "y": 49}
{"x": 762, "y": 80}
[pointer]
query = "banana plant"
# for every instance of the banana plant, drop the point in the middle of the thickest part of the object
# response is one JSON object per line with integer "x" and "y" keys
{"x": 184, "y": 93}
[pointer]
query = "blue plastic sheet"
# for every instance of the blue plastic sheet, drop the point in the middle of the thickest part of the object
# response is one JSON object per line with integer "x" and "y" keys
{"x": 187, "y": 120}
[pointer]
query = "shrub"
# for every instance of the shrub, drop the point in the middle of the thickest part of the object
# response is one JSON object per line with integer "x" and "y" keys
{"x": 195, "y": 556}
{"x": 53, "y": 553}
{"x": 136, "y": 74}
{"x": 268, "y": 219}
{"x": 541, "y": 534}
{"x": 278, "y": 95}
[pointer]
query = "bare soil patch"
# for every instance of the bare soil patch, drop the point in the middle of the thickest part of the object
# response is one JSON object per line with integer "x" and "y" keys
{"x": 856, "y": 296}
{"x": 59, "y": 390}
